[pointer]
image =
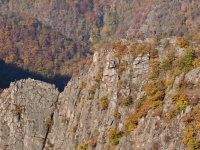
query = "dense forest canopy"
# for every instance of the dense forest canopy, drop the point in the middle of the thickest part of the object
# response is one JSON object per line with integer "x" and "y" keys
{"x": 52, "y": 37}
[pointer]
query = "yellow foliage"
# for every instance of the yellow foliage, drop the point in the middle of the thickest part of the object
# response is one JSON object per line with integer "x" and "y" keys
{"x": 196, "y": 62}
{"x": 142, "y": 111}
{"x": 182, "y": 42}
{"x": 17, "y": 111}
{"x": 197, "y": 127}
{"x": 154, "y": 63}
{"x": 167, "y": 62}
{"x": 153, "y": 99}
{"x": 83, "y": 147}
{"x": 150, "y": 89}
{"x": 104, "y": 102}
{"x": 99, "y": 76}
{"x": 131, "y": 123}
{"x": 170, "y": 114}
{"x": 155, "y": 91}
{"x": 155, "y": 69}
{"x": 114, "y": 136}
{"x": 116, "y": 114}
{"x": 141, "y": 48}
{"x": 75, "y": 127}
{"x": 92, "y": 91}
{"x": 157, "y": 104}
{"x": 189, "y": 138}
{"x": 121, "y": 49}
{"x": 132, "y": 120}
{"x": 180, "y": 100}
{"x": 159, "y": 95}
{"x": 198, "y": 82}
{"x": 127, "y": 100}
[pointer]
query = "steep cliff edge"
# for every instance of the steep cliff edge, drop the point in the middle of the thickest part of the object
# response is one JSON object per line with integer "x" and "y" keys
{"x": 26, "y": 111}
{"x": 134, "y": 96}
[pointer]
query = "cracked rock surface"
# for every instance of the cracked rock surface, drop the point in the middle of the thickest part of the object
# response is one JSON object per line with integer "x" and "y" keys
{"x": 26, "y": 108}
{"x": 35, "y": 116}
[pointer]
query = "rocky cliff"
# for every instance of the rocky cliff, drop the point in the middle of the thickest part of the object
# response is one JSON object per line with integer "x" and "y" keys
{"x": 125, "y": 101}
{"x": 26, "y": 110}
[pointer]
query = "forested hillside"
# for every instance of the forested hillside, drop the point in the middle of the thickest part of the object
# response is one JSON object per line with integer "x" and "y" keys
{"x": 93, "y": 21}
{"x": 57, "y": 37}
{"x": 31, "y": 45}
{"x": 127, "y": 71}
{"x": 138, "y": 95}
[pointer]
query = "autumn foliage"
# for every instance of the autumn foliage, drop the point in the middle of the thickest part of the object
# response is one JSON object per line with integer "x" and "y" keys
{"x": 35, "y": 47}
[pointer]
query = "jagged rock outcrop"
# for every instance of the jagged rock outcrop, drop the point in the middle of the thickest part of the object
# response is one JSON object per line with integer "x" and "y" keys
{"x": 26, "y": 111}
{"x": 81, "y": 120}
{"x": 35, "y": 116}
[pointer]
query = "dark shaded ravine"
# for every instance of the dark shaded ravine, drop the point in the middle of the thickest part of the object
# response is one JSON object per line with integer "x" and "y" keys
{"x": 10, "y": 73}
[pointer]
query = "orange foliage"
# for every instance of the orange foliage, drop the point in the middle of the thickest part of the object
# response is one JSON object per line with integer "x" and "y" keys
{"x": 120, "y": 47}
{"x": 31, "y": 45}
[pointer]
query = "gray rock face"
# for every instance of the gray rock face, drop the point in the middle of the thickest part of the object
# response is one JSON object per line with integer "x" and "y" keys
{"x": 80, "y": 122}
{"x": 34, "y": 115}
{"x": 26, "y": 109}
{"x": 141, "y": 68}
